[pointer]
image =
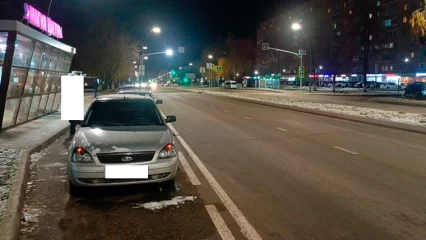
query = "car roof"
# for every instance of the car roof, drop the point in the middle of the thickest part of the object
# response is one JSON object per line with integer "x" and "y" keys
{"x": 118, "y": 97}
{"x": 135, "y": 91}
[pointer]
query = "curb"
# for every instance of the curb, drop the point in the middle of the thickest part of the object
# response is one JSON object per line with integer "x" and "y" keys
{"x": 371, "y": 121}
{"x": 11, "y": 221}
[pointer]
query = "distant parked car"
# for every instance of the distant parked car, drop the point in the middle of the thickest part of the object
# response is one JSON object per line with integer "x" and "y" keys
{"x": 389, "y": 86}
{"x": 415, "y": 90}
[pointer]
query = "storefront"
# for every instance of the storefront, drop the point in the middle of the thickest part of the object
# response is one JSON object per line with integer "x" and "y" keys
{"x": 31, "y": 65}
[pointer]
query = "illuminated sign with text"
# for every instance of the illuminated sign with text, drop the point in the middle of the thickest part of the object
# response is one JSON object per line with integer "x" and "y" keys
{"x": 39, "y": 20}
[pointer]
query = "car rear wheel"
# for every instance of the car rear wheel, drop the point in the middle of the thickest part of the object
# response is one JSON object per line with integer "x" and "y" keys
{"x": 74, "y": 190}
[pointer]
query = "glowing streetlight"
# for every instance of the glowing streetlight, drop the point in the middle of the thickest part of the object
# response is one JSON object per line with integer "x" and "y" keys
{"x": 156, "y": 30}
{"x": 134, "y": 62}
{"x": 284, "y": 70}
{"x": 136, "y": 66}
{"x": 406, "y": 60}
{"x": 145, "y": 47}
{"x": 320, "y": 67}
{"x": 256, "y": 72}
{"x": 210, "y": 56}
{"x": 296, "y": 26}
{"x": 238, "y": 74}
{"x": 190, "y": 64}
{"x": 169, "y": 52}
{"x": 146, "y": 57}
{"x": 180, "y": 68}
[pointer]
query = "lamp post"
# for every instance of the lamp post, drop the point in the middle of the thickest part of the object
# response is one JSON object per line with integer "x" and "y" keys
{"x": 296, "y": 27}
{"x": 258, "y": 78}
{"x": 406, "y": 60}
{"x": 211, "y": 71}
{"x": 156, "y": 30}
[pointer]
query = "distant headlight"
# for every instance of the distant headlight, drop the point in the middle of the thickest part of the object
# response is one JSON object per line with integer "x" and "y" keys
{"x": 137, "y": 84}
{"x": 143, "y": 85}
{"x": 80, "y": 155}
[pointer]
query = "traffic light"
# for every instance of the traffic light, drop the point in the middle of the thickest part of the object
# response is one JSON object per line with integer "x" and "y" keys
{"x": 185, "y": 80}
{"x": 173, "y": 73}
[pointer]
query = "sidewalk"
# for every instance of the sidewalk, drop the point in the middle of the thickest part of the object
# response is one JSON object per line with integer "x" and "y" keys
{"x": 17, "y": 141}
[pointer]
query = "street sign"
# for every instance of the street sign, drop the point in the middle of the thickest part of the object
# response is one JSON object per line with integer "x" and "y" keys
{"x": 190, "y": 75}
{"x": 181, "y": 50}
{"x": 301, "y": 69}
{"x": 265, "y": 46}
{"x": 301, "y": 74}
{"x": 209, "y": 65}
{"x": 219, "y": 69}
{"x": 202, "y": 70}
{"x": 302, "y": 52}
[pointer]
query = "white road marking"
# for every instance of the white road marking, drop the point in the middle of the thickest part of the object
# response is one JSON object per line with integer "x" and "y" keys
{"x": 191, "y": 175}
{"x": 345, "y": 150}
{"x": 246, "y": 228}
{"x": 282, "y": 129}
{"x": 247, "y": 118}
{"x": 219, "y": 223}
{"x": 225, "y": 110}
{"x": 212, "y": 106}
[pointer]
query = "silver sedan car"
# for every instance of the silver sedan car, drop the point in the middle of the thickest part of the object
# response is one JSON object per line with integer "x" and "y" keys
{"x": 122, "y": 140}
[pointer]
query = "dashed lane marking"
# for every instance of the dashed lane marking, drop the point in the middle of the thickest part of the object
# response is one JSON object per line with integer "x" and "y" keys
{"x": 345, "y": 150}
{"x": 282, "y": 129}
{"x": 219, "y": 223}
{"x": 192, "y": 177}
{"x": 247, "y": 118}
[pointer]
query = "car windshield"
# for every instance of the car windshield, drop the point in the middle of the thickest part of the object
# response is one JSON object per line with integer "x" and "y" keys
{"x": 123, "y": 113}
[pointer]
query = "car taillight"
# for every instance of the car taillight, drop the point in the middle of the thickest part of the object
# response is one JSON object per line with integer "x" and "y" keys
{"x": 168, "y": 151}
{"x": 80, "y": 155}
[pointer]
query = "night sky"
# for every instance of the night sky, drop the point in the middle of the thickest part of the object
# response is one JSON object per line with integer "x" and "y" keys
{"x": 189, "y": 23}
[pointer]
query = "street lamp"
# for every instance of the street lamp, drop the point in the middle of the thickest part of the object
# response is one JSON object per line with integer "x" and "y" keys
{"x": 210, "y": 56}
{"x": 144, "y": 47}
{"x": 169, "y": 52}
{"x": 190, "y": 64}
{"x": 156, "y": 30}
{"x": 297, "y": 26}
{"x": 283, "y": 70}
{"x": 238, "y": 74}
{"x": 256, "y": 72}
{"x": 134, "y": 62}
{"x": 146, "y": 57}
{"x": 180, "y": 68}
{"x": 320, "y": 67}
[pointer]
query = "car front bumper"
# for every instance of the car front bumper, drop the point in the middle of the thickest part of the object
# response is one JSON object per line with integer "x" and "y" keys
{"x": 93, "y": 174}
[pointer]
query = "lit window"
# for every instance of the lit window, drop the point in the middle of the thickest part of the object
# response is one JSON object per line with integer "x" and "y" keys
{"x": 378, "y": 3}
{"x": 404, "y": 19}
{"x": 371, "y": 16}
{"x": 391, "y": 45}
{"x": 334, "y": 26}
{"x": 371, "y": 37}
{"x": 412, "y": 54}
{"x": 405, "y": 7}
{"x": 338, "y": 33}
{"x": 329, "y": 10}
{"x": 344, "y": 4}
{"x": 350, "y": 12}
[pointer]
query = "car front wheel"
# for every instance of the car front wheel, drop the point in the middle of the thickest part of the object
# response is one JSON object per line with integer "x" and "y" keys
{"x": 74, "y": 190}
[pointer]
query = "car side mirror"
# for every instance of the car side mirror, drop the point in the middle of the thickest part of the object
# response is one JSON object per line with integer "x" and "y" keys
{"x": 170, "y": 119}
{"x": 159, "y": 101}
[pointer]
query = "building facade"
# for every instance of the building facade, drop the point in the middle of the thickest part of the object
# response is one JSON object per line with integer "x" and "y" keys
{"x": 346, "y": 38}
{"x": 31, "y": 65}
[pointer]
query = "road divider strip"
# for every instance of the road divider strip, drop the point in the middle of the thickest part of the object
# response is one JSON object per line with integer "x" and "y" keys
{"x": 246, "y": 228}
{"x": 191, "y": 175}
{"x": 219, "y": 223}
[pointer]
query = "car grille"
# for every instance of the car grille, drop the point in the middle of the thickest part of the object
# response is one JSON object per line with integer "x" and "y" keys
{"x": 107, "y": 158}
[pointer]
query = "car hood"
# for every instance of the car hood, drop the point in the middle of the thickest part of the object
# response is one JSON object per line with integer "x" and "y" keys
{"x": 125, "y": 139}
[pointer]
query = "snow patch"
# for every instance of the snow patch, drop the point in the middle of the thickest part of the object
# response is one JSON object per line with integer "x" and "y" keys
{"x": 162, "y": 204}
{"x": 119, "y": 149}
{"x": 393, "y": 116}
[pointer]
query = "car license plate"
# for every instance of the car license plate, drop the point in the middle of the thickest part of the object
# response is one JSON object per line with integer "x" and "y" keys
{"x": 126, "y": 172}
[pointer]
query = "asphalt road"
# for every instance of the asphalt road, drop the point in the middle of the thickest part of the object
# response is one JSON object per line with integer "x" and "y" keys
{"x": 292, "y": 176}
{"x": 109, "y": 213}
{"x": 302, "y": 176}
{"x": 383, "y": 103}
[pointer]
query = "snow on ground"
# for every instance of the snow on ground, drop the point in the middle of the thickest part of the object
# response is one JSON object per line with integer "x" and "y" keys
{"x": 9, "y": 162}
{"x": 162, "y": 204}
{"x": 394, "y": 116}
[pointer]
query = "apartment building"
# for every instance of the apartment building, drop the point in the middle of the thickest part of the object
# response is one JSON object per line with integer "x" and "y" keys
{"x": 340, "y": 32}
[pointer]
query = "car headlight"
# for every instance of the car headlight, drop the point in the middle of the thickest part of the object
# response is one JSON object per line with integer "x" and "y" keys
{"x": 168, "y": 151}
{"x": 80, "y": 155}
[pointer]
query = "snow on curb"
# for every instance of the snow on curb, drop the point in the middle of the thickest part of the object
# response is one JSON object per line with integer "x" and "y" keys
{"x": 9, "y": 162}
{"x": 162, "y": 204}
{"x": 393, "y": 116}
